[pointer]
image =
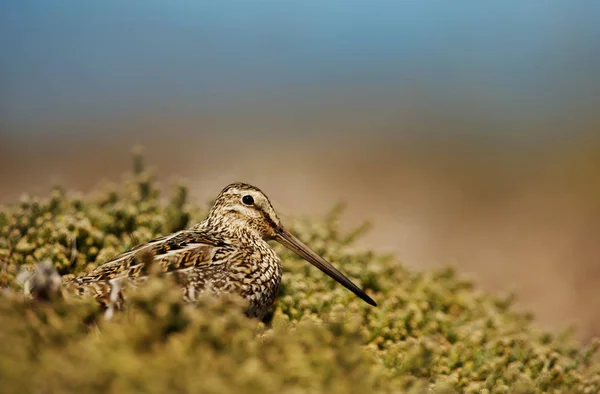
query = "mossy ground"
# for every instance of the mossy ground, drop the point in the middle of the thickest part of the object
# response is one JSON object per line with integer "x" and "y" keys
{"x": 432, "y": 331}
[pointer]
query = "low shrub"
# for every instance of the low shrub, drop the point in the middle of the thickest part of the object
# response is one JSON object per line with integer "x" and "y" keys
{"x": 432, "y": 331}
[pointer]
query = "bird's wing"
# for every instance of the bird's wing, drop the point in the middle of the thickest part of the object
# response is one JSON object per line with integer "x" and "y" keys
{"x": 175, "y": 252}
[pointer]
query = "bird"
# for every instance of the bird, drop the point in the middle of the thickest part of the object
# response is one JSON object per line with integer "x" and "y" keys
{"x": 228, "y": 252}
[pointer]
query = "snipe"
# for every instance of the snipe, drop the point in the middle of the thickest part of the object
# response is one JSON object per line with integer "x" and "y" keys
{"x": 226, "y": 253}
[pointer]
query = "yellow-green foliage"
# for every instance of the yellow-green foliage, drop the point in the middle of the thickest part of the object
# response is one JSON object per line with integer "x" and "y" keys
{"x": 432, "y": 331}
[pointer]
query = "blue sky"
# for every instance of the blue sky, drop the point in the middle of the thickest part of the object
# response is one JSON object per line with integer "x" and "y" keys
{"x": 107, "y": 58}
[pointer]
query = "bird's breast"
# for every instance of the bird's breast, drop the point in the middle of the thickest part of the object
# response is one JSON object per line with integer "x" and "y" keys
{"x": 260, "y": 281}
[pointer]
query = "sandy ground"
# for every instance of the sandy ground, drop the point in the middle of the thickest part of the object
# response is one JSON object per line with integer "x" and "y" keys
{"x": 523, "y": 220}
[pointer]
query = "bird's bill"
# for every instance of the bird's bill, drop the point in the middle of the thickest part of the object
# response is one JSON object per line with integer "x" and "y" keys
{"x": 288, "y": 240}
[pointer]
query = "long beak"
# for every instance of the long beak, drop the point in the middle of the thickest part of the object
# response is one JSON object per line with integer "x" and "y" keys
{"x": 288, "y": 240}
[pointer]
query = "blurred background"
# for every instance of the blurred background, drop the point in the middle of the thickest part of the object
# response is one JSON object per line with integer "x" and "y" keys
{"x": 468, "y": 134}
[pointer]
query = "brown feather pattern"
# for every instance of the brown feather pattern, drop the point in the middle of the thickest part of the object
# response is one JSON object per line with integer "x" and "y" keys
{"x": 226, "y": 253}
{"x": 220, "y": 254}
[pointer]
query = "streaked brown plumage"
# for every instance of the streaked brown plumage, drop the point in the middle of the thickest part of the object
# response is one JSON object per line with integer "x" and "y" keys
{"x": 226, "y": 253}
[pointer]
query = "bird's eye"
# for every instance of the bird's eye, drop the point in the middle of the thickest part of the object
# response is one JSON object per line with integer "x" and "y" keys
{"x": 248, "y": 200}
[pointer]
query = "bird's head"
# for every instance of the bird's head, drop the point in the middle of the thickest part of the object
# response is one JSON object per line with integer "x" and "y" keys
{"x": 244, "y": 207}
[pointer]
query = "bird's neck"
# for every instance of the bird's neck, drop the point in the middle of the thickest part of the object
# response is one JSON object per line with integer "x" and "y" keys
{"x": 231, "y": 229}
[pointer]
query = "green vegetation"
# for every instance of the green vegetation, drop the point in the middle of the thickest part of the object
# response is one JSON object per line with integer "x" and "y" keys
{"x": 432, "y": 331}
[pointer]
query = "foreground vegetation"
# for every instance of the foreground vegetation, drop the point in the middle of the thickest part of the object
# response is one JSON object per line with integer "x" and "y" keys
{"x": 432, "y": 331}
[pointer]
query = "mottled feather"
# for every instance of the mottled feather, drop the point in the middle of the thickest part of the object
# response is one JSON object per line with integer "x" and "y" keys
{"x": 226, "y": 253}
